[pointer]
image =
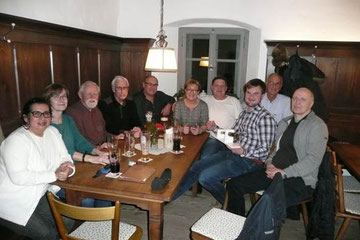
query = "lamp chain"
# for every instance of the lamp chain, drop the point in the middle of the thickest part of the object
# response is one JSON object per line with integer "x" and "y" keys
{"x": 161, "y": 42}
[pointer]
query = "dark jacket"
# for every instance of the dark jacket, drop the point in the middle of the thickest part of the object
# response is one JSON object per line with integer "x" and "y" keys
{"x": 265, "y": 218}
{"x": 321, "y": 223}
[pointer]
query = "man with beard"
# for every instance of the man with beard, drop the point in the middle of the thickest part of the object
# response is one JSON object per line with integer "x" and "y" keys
{"x": 120, "y": 113}
{"x": 88, "y": 118}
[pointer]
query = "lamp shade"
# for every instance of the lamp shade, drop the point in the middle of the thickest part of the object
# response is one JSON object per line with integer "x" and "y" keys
{"x": 161, "y": 59}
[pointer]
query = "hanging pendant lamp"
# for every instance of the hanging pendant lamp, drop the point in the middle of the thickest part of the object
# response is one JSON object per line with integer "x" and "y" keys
{"x": 161, "y": 58}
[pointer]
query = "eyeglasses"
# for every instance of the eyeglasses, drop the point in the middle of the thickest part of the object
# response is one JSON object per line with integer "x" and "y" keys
{"x": 122, "y": 88}
{"x": 191, "y": 90}
{"x": 57, "y": 97}
{"x": 37, "y": 114}
{"x": 151, "y": 84}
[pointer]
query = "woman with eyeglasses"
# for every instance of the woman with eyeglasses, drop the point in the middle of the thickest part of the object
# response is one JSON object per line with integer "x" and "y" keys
{"x": 31, "y": 157}
{"x": 191, "y": 113}
{"x": 78, "y": 147}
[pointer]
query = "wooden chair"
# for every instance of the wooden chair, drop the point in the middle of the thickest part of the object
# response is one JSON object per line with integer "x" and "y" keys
{"x": 346, "y": 203}
{"x": 98, "y": 224}
{"x": 219, "y": 224}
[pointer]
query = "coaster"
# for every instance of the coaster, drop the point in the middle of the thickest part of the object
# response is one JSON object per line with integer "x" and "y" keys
{"x": 145, "y": 160}
{"x": 113, "y": 175}
{"x": 132, "y": 163}
{"x": 177, "y": 152}
{"x": 129, "y": 155}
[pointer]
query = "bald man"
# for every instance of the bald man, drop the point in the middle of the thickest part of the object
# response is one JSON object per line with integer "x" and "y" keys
{"x": 300, "y": 144}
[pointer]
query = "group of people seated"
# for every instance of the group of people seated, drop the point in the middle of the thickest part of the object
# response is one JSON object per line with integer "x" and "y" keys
{"x": 274, "y": 135}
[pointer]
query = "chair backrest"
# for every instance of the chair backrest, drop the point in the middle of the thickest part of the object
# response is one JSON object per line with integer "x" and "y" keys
{"x": 60, "y": 209}
{"x": 339, "y": 189}
{"x": 265, "y": 218}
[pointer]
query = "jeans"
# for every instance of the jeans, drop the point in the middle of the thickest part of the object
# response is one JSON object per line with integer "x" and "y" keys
{"x": 41, "y": 224}
{"x": 295, "y": 190}
{"x": 91, "y": 202}
{"x": 211, "y": 146}
{"x": 216, "y": 164}
{"x": 86, "y": 202}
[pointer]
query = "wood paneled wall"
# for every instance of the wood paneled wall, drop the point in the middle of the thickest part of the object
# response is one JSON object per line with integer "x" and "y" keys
{"x": 41, "y": 53}
{"x": 340, "y": 61}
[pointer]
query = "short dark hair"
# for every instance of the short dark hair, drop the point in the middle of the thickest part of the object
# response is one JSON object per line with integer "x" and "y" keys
{"x": 256, "y": 82}
{"x": 219, "y": 77}
{"x": 54, "y": 89}
{"x": 29, "y": 104}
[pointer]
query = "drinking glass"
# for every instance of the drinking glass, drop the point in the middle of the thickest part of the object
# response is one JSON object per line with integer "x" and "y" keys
{"x": 145, "y": 143}
{"x": 129, "y": 145}
{"x": 176, "y": 141}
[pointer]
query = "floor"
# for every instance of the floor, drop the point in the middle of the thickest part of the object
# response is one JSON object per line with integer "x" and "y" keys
{"x": 181, "y": 214}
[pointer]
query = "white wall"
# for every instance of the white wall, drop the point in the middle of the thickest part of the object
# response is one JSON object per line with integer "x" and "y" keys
{"x": 93, "y": 15}
{"x": 317, "y": 20}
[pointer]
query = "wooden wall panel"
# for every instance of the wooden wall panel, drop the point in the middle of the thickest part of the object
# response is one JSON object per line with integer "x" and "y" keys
{"x": 89, "y": 65}
{"x": 33, "y": 41}
{"x": 33, "y": 63}
{"x": 8, "y": 92}
{"x": 109, "y": 68}
{"x": 132, "y": 66}
{"x": 65, "y": 69}
{"x": 328, "y": 87}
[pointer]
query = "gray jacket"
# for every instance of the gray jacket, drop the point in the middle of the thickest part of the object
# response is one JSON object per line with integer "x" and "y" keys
{"x": 310, "y": 141}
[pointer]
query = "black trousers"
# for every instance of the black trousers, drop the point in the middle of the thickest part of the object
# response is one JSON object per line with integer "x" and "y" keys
{"x": 295, "y": 190}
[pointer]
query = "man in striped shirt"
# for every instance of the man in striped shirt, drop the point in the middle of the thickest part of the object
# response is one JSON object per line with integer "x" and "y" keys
{"x": 255, "y": 128}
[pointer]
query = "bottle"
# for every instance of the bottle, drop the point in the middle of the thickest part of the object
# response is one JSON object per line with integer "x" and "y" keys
{"x": 164, "y": 123}
{"x": 150, "y": 125}
{"x": 168, "y": 138}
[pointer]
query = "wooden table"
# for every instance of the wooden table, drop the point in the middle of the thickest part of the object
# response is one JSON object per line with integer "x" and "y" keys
{"x": 83, "y": 185}
{"x": 350, "y": 156}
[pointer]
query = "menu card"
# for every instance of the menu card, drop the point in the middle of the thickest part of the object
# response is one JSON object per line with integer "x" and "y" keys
{"x": 137, "y": 173}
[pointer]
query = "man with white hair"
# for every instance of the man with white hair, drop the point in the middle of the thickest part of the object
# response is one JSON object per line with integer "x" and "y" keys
{"x": 120, "y": 113}
{"x": 88, "y": 118}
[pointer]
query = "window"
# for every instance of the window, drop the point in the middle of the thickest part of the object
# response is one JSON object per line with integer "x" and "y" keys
{"x": 225, "y": 49}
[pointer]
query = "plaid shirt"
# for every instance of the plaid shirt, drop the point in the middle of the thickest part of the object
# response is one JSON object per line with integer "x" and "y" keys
{"x": 256, "y": 130}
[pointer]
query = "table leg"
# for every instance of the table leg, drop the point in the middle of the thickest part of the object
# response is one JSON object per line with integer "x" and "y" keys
{"x": 156, "y": 221}
{"x": 73, "y": 197}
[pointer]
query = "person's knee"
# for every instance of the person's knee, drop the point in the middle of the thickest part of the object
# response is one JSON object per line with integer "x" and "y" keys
{"x": 205, "y": 179}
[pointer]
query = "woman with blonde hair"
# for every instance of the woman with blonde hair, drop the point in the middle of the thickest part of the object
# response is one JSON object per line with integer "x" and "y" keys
{"x": 191, "y": 113}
